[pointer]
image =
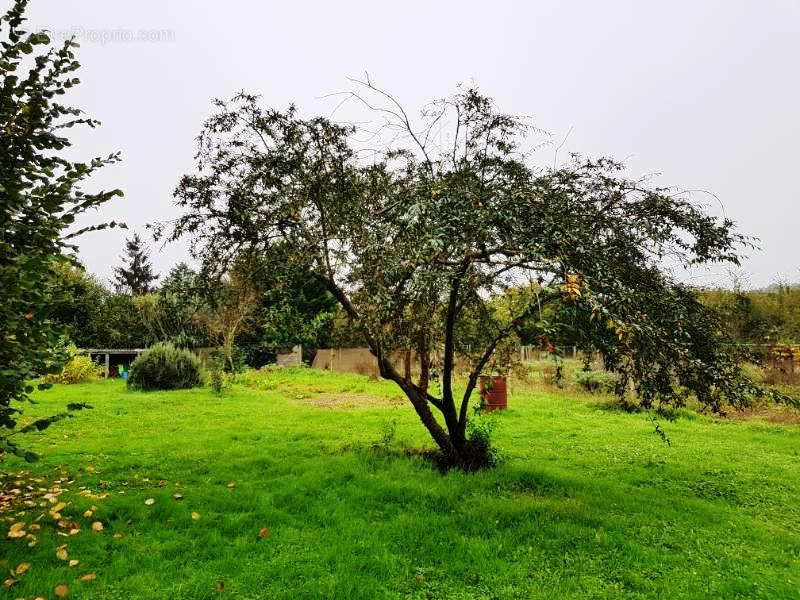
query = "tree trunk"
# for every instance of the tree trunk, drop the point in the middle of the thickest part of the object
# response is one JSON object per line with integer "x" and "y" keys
{"x": 450, "y": 453}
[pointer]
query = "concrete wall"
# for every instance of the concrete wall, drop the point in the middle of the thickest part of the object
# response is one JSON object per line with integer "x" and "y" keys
{"x": 291, "y": 359}
{"x": 347, "y": 360}
{"x": 361, "y": 360}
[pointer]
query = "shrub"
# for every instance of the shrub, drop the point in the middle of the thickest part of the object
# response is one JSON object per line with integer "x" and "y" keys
{"x": 165, "y": 367}
{"x": 480, "y": 451}
{"x": 596, "y": 381}
{"x": 79, "y": 369}
{"x": 218, "y": 370}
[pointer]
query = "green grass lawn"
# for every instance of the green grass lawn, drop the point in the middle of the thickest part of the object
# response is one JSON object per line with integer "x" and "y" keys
{"x": 586, "y": 503}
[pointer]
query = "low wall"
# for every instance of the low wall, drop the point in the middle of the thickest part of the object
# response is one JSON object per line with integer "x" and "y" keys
{"x": 346, "y": 360}
{"x": 361, "y": 360}
{"x": 291, "y": 359}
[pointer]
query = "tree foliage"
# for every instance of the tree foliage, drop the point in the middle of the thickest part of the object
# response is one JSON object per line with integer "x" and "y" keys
{"x": 41, "y": 196}
{"x": 292, "y": 308}
{"x": 759, "y": 316}
{"x": 414, "y": 238}
{"x": 171, "y": 313}
{"x": 135, "y": 276}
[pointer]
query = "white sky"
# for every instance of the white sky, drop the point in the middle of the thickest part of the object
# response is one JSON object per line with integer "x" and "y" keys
{"x": 706, "y": 93}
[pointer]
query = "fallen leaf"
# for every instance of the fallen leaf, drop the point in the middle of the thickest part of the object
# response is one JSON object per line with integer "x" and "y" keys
{"x": 177, "y": 496}
{"x": 232, "y": 484}
{"x": 263, "y": 533}
{"x": 61, "y": 591}
{"x": 195, "y": 516}
{"x": 88, "y": 514}
{"x": 74, "y": 562}
{"x": 97, "y": 526}
{"x": 16, "y": 533}
{"x": 17, "y": 526}
{"x": 89, "y": 576}
{"x": 9, "y": 582}
{"x": 58, "y": 507}
{"x": 61, "y": 553}
{"x": 220, "y": 586}
{"x": 117, "y": 536}
{"x": 150, "y": 501}
{"x": 22, "y": 568}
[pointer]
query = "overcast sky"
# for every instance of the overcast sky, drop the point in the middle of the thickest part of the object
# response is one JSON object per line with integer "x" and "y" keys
{"x": 706, "y": 93}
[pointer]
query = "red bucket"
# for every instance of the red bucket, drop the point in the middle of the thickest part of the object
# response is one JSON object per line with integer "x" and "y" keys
{"x": 494, "y": 392}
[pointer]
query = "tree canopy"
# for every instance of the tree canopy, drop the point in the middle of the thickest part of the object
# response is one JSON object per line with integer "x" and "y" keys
{"x": 41, "y": 197}
{"x": 413, "y": 238}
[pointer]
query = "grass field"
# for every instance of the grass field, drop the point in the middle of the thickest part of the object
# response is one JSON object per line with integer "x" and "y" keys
{"x": 586, "y": 503}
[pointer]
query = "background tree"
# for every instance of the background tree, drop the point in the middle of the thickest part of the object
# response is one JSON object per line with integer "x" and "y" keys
{"x": 40, "y": 199}
{"x": 232, "y": 313}
{"x": 415, "y": 239}
{"x": 170, "y": 314}
{"x": 135, "y": 276}
{"x": 293, "y": 308}
{"x": 80, "y": 305}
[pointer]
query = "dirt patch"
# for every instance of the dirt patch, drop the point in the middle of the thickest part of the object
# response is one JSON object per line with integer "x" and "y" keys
{"x": 783, "y": 416}
{"x": 349, "y": 400}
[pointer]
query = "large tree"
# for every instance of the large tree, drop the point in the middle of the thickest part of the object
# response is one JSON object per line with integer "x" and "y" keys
{"x": 41, "y": 197}
{"x": 414, "y": 236}
{"x": 135, "y": 276}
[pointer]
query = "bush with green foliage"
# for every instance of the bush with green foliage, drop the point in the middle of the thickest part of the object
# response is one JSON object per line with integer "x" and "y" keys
{"x": 596, "y": 381}
{"x": 165, "y": 367}
{"x": 220, "y": 373}
{"x": 79, "y": 369}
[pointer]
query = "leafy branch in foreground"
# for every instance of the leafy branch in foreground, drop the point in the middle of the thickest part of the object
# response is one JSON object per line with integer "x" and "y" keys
{"x": 40, "y": 199}
{"x": 415, "y": 242}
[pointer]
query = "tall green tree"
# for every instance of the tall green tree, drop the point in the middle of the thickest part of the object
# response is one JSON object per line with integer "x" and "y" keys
{"x": 135, "y": 276}
{"x": 293, "y": 308}
{"x": 41, "y": 197}
{"x": 415, "y": 241}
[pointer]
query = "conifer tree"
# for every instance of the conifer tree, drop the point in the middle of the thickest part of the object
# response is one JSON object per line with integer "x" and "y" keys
{"x": 136, "y": 275}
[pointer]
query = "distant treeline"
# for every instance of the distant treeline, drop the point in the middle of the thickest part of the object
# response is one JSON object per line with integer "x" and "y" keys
{"x": 761, "y": 316}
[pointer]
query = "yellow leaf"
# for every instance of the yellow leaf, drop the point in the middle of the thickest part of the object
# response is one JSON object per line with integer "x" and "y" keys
{"x": 58, "y": 507}
{"x": 88, "y": 514}
{"x": 74, "y": 563}
{"x": 9, "y": 582}
{"x": 263, "y": 533}
{"x": 177, "y": 496}
{"x": 61, "y": 553}
{"x": 16, "y": 533}
{"x": 22, "y": 568}
{"x": 17, "y": 526}
{"x": 97, "y": 526}
{"x": 232, "y": 484}
{"x": 195, "y": 516}
{"x": 150, "y": 501}
{"x": 89, "y": 576}
{"x": 61, "y": 591}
